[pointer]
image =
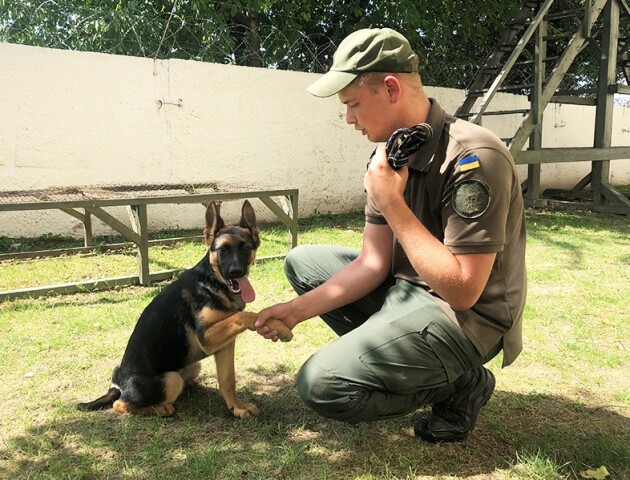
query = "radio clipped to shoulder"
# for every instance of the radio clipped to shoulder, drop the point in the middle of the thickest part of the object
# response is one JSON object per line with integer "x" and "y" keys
{"x": 404, "y": 142}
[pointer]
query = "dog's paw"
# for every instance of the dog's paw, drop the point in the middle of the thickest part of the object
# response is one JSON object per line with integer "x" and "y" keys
{"x": 285, "y": 336}
{"x": 164, "y": 410}
{"x": 284, "y": 333}
{"x": 245, "y": 410}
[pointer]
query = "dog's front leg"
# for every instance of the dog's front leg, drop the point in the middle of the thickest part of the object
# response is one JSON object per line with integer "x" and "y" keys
{"x": 248, "y": 319}
{"x": 224, "y": 359}
{"x": 222, "y": 329}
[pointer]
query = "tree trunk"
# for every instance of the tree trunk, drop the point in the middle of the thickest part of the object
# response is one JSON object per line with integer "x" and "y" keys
{"x": 248, "y": 52}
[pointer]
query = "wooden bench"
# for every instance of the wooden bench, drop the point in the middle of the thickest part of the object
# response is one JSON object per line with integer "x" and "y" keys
{"x": 84, "y": 202}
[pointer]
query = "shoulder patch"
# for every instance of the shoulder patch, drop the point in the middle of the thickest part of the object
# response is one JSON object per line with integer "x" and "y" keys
{"x": 471, "y": 198}
{"x": 468, "y": 163}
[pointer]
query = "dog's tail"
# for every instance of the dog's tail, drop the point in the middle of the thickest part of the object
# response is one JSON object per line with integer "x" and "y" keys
{"x": 101, "y": 403}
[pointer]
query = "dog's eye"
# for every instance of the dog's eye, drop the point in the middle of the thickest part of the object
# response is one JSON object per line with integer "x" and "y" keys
{"x": 245, "y": 248}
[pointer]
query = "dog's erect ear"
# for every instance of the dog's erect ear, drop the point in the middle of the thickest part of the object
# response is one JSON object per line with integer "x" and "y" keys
{"x": 248, "y": 220}
{"x": 214, "y": 223}
{"x": 248, "y": 216}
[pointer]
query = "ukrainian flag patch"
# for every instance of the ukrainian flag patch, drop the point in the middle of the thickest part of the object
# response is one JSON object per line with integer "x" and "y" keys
{"x": 468, "y": 163}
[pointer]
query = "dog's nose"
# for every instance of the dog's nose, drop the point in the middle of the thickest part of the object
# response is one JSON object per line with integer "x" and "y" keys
{"x": 236, "y": 272}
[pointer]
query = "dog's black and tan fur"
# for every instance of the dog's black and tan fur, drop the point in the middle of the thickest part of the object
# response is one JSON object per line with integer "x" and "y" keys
{"x": 198, "y": 315}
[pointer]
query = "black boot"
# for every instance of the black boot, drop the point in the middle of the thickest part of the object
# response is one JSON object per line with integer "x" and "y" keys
{"x": 454, "y": 418}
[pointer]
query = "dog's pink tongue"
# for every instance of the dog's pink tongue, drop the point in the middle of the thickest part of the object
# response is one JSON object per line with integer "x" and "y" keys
{"x": 247, "y": 291}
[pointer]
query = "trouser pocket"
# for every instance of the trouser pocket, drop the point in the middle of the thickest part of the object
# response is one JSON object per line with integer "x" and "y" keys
{"x": 451, "y": 346}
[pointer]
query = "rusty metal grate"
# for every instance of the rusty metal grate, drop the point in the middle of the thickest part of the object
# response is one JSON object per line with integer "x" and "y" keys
{"x": 114, "y": 191}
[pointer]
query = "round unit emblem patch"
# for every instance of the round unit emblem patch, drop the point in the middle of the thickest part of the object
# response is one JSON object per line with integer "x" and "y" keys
{"x": 471, "y": 198}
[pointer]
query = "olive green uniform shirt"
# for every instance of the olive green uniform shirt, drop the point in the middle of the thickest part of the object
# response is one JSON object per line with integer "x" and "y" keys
{"x": 464, "y": 189}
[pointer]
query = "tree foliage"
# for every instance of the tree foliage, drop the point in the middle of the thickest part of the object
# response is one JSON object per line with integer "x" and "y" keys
{"x": 452, "y": 37}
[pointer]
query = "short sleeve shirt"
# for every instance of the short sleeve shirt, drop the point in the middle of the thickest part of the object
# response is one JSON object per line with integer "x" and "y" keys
{"x": 464, "y": 189}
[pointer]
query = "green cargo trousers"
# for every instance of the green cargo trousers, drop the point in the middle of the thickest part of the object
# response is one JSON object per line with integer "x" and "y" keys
{"x": 397, "y": 350}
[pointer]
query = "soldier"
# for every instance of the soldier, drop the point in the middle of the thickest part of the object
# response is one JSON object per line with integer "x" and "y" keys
{"x": 438, "y": 287}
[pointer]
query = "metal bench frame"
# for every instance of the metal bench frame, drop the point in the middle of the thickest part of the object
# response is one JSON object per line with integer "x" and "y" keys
{"x": 286, "y": 212}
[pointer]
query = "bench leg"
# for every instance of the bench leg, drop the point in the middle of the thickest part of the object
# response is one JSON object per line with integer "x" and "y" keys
{"x": 88, "y": 241}
{"x": 291, "y": 208}
{"x": 139, "y": 223}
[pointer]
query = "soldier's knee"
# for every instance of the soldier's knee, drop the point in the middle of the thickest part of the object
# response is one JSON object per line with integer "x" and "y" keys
{"x": 294, "y": 262}
{"x": 328, "y": 395}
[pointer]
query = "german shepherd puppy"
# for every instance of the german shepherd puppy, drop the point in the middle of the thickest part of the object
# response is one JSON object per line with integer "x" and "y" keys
{"x": 198, "y": 315}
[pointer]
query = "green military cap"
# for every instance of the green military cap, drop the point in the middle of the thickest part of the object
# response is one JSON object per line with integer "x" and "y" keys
{"x": 366, "y": 50}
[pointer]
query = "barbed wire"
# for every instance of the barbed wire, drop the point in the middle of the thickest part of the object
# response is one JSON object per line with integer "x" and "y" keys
{"x": 168, "y": 34}
{"x": 163, "y": 33}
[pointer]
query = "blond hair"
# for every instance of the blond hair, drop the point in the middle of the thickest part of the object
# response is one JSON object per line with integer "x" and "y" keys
{"x": 373, "y": 80}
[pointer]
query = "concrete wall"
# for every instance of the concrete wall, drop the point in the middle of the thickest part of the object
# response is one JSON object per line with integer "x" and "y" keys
{"x": 71, "y": 118}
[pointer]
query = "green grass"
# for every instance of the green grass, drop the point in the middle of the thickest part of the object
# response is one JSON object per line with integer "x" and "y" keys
{"x": 562, "y": 408}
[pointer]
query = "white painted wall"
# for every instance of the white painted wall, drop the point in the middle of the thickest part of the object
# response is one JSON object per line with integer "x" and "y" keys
{"x": 74, "y": 118}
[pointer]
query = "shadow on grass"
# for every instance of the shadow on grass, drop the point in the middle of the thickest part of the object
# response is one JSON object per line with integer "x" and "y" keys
{"x": 115, "y": 296}
{"x": 548, "y": 220}
{"x": 550, "y": 228}
{"x": 202, "y": 440}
